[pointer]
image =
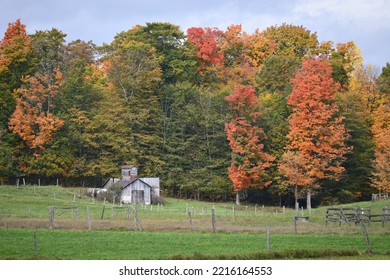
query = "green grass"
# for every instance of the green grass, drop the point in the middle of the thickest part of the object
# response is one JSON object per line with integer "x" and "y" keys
{"x": 166, "y": 233}
{"x": 96, "y": 245}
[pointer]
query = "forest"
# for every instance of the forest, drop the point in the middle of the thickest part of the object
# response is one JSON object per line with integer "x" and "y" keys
{"x": 264, "y": 117}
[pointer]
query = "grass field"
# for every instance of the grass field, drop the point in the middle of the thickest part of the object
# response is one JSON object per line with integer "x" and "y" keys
{"x": 167, "y": 234}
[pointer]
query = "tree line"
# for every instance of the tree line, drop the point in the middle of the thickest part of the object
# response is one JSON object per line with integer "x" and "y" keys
{"x": 267, "y": 116}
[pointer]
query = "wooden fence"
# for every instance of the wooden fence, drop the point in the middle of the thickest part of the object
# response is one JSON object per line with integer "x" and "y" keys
{"x": 356, "y": 215}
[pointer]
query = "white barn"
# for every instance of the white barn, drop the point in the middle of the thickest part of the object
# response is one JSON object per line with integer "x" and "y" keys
{"x": 134, "y": 189}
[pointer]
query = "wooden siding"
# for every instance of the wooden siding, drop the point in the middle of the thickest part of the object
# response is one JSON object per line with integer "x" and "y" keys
{"x": 136, "y": 186}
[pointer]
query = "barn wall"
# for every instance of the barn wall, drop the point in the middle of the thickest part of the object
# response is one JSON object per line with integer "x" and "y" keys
{"x": 155, "y": 184}
{"x": 138, "y": 186}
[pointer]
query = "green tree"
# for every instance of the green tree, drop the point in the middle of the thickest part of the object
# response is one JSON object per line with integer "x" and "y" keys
{"x": 48, "y": 49}
{"x": 274, "y": 87}
{"x": 355, "y": 105}
{"x": 293, "y": 40}
{"x": 195, "y": 148}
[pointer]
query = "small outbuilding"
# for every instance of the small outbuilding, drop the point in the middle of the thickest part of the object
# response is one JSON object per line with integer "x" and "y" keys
{"x": 135, "y": 189}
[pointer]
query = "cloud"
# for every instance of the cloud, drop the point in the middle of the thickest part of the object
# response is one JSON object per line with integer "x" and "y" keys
{"x": 343, "y": 9}
{"x": 367, "y": 22}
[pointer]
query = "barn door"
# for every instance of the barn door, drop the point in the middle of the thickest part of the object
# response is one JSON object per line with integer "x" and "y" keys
{"x": 137, "y": 197}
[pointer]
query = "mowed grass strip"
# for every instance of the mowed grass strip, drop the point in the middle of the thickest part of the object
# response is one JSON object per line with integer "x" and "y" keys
{"x": 120, "y": 245}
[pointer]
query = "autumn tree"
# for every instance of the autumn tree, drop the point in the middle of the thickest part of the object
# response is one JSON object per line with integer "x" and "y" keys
{"x": 317, "y": 134}
{"x": 381, "y": 131}
{"x": 344, "y": 59}
{"x": 381, "y": 164}
{"x": 259, "y": 47}
{"x": 292, "y": 40}
{"x": 246, "y": 141}
{"x": 243, "y": 54}
{"x": 34, "y": 118}
{"x": 206, "y": 42}
{"x": 15, "y": 61}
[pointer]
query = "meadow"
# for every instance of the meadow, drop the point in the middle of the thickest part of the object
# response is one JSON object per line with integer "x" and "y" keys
{"x": 180, "y": 229}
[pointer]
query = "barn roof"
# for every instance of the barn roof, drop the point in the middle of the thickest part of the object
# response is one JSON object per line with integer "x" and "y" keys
{"x": 125, "y": 184}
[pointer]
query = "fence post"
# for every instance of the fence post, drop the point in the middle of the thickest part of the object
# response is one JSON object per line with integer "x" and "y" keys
{"x": 51, "y": 216}
{"x": 213, "y": 219}
{"x": 295, "y": 224}
{"x": 89, "y": 218}
{"x": 102, "y": 216}
{"x": 268, "y": 243}
{"x": 128, "y": 212}
{"x": 136, "y": 220}
{"x": 368, "y": 245}
{"x": 4, "y": 218}
{"x": 35, "y": 244}
{"x": 190, "y": 220}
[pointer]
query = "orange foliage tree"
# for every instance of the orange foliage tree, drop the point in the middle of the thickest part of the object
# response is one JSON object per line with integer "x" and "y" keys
{"x": 34, "y": 120}
{"x": 15, "y": 62}
{"x": 381, "y": 131}
{"x": 245, "y": 139}
{"x": 316, "y": 135}
{"x": 15, "y": 45}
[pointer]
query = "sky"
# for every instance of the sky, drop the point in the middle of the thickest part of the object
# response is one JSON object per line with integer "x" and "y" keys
{"x": 366, "y": 22}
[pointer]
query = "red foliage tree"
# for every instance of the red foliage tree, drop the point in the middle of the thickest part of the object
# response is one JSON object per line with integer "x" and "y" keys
{"x": 206, "y": 42}
{"x": 245, "y": 139}
{"x": 317, "y": 135}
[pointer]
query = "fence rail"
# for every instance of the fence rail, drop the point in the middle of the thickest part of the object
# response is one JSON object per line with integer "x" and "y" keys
{"x": 357, "y": 215}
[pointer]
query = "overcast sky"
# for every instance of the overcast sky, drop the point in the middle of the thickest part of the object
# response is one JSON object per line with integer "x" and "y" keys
{"x": 366, "y": 22}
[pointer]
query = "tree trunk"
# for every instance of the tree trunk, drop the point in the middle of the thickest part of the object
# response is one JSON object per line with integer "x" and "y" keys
{"x": 309, "y": 201}
{"x": 238, "y": 198}
{"x": 296, "y": 200}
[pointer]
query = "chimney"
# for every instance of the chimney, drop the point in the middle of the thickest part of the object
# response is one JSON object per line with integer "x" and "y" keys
{"x": 129, "y": 172}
